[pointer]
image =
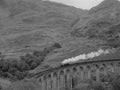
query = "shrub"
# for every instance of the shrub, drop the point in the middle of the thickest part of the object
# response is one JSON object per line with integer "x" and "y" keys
{"x": 116, "y": 84}
{"x": 25, "y": 85}
{"x": 13, "y": 63}
{"x": 82, "y": 86}
{"x": 12, "y": 70}
{"x": 18, "y": 69}
{"x": 33, "y": 65}
{"x": 38, "y": 54}
{"x": 96, "y": 85}
{"x": 57, "y": 45}
{"x": 22, "y": 66}
{"x": 5, "y": 66}
{"x": 1, "y": 87}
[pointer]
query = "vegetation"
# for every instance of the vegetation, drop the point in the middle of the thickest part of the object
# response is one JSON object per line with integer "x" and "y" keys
{"x": 25, "y": 85}
{"x": 18, "y": 69}
{"x": 112, "y": 82}
{"x": 109, "y": 82}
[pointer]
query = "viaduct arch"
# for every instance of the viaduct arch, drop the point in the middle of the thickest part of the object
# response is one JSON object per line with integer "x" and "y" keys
{"x": 69, "y": 76}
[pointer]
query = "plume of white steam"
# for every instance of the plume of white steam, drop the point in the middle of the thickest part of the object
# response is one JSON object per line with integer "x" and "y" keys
{"x": 89, "y": 55}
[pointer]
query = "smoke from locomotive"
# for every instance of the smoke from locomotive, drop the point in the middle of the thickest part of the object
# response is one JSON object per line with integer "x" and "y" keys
{"x": 88, "y": 56}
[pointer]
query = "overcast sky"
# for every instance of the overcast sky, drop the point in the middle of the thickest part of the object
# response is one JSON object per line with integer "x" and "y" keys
{"x": 84, "y": 4}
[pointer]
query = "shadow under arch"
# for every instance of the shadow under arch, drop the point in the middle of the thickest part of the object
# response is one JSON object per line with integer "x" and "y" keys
{"x": 44, "y": 83}
{"x": 81, "y": 74}
{"x": 81, "y": 68}
{"x": 49, "y": 76}
{"x": 88, "y": 67}
{"x": 61, "y": 80}
{"x": 68, "y": 79}
{"x": 102, "y": 70}
{"x": 49, "y": 82}
{"x": 55, "y": 81}
{"x": 74, "y": 69}
{"x": 61, "y": 72}
{"x": 54, "y": 74}
{"x": 74, "y": 77}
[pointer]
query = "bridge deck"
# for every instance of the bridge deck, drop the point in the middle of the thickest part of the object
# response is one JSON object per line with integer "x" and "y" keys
{"x": 74, "y": 64}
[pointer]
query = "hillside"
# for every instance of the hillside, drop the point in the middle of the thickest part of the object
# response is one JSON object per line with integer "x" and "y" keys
{"x": 37, "y": 35}
{"x": 27, "y": 26}
{"x": 34, "y": 25}
{"x": 103, "y": 23}
{"x": 44, "y": 34}
{"x": 98, "y": 28}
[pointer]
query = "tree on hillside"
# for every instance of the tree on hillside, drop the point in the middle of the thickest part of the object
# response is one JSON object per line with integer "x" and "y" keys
{"x": 39, "y": 53}
{"x": 22, "y": 66}
{"x": 57, "y": 45}
{"x": 114, "y": 80}
{"x": 12, "y": 70}
{"x": 5, "y": 66}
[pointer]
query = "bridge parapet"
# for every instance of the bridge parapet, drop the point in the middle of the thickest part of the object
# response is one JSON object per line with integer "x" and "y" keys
{"x": 70, "y": 76}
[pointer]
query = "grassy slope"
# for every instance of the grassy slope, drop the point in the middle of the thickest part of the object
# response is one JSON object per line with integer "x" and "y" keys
{"x": 37, "y": 25}
{"x": 34, "y": 25}
{"x": 101, "y": 28}
{"x": 40, "y": 24}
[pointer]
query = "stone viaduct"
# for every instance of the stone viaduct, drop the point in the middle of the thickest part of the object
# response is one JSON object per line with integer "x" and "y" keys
{"x": 69, "y": 76}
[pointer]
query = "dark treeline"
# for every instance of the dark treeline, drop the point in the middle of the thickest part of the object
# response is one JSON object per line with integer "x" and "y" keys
{"x": 18, "y": 69}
